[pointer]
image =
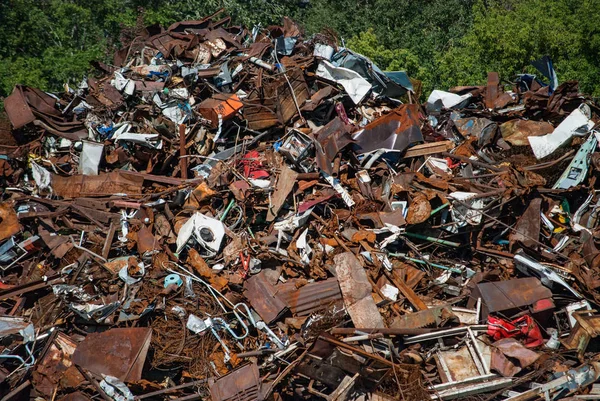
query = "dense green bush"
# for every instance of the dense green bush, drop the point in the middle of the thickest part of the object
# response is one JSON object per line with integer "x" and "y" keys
{"x": 46, "y": 43}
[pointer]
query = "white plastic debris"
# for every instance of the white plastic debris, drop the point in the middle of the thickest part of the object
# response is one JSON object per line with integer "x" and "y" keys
{"x": 335, "y": 183}
{"x": 323, "y": 51}
{"x": 356, "y": 86}
{"x": 208, "y": 232}
{"x": 390, "y": 292}
{"x": 195, "y": 324}
{"x": 293, "y": 221}
{"x": 90, "y": 158}
{"x": 578, "y": 123}
{"x": 41, "y": 176}
{"x": 440, "y": 99}
{"x": 462, "y": 214}
{"x": 116, "y": 389}
{"x": 303, "y": 247}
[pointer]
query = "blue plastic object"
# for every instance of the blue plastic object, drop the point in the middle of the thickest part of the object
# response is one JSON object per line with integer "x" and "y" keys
{"x": 173, "y": 279}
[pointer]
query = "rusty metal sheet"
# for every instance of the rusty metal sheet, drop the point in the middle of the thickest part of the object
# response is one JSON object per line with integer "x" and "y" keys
{"x": 419, "y": 210}
{"x": 517, "y": 131}
{"x": 509, "y": 357}
{"x": 460, "y": 365}
{"x": 264, "y": 297}
{"x": 586, "y": 328}
{"x": 76, "y": 396}
{"x": 259, "y": 112}
{"x": 18, "y": 111}
{"x": 59, "y": 245}
{"x": 286, "y": 105}
{"x": 241, "y": 384}
{"x": 9, "y": 222}
{"x": 504, "y": 100}
{"x": 329, "y": 360}
{"x": 333, "y": 137}
{"x": 356, "y": 290}
{"x": 165, "y": 43}
{"x": 71, "y": 132}
{"x": 527, "y": 229}
{"x": 429, "y": 149}
{"x": 396, "y": 130}
{"x": 420, "y": 319}
{"x": 285, "y": 183}
{"x": 41, "y": 101}
{"x": 491, "y": 91}
{"x": 509, "y": 296}
{"x": 147, "y": 243}
{"x": 114, "y": 182}
{"x": 56, "y": 367}
{"x": 310, "y": 298}
{"x": 117, "y": 352}
{"x": 149, "y": 86}
{"x": 481, "y": 128}
{"x": 318, "y": 97}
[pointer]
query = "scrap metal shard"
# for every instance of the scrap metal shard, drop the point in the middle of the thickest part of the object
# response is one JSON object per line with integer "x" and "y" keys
{"x": 9, "y": 222}
{"x": 356, "y": 291}
{"x": 285, "y": 184}
{"x": 395, "y": 131}
{"x": 241, "y": 384}
{"x": 527, "y": 230}
{"x": 263, "y": 297}
{"x": 509, "y": 357}
{"x": 115, "y": 182}
{"x": 311, "y": 297}
{"x": 511, "y": 296}
{"x": 116, "y": 352}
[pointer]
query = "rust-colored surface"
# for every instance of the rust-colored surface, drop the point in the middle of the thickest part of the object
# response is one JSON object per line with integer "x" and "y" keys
{"x": 263, "y": 297}
{"x": 332, "y": 138}
{"x": 491, "y": 90}
{"x": 527, "y": 230}
{"x": 116, "y": 182}
{"x": 510, "y": 296}
{"x": 9, "y": 222}
{"x": 76, "y": 396}
{"x": 587, "y": 327}
{"x": 396, "y": 130}
{"x": 117, "y": 352}
{"x": 432, "y": 317}
{"x": 461, "y": 365}
{"x": 241, "y": 384}
{"x": 442, "y": 201}
{"x": 419, "y": 210}
{"x": 17, "y": 109}
{"x": 517, "y": 131}
{"x": 356, "y": 291}
{"x": 56, "y": 367}
{"x": 285, "y": 183}
{"x": 509, "y": 357}
{"x": 286, "y": 105}
{"x": 311, "y": 297}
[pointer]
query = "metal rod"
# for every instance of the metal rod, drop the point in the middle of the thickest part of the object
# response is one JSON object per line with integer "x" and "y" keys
{"x": 183, "y": 164}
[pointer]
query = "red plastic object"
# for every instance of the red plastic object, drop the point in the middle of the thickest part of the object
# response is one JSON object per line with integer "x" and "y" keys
{"x": 523, "y": 326}
{"x": 252, "y": 166}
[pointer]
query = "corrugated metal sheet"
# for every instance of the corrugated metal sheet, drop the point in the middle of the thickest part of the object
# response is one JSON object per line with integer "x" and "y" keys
{"x": 263, "y": 297}
{"x": 241, "y": 384}
{"x": 312, "y": 297}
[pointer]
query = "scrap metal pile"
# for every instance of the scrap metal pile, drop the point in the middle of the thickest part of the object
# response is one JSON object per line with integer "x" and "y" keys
{"x": 234, "y": 214}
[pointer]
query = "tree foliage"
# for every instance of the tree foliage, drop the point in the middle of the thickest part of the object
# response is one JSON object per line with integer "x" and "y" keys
{"x": 443, "y": 43}
{"x": 507, "y": 34}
